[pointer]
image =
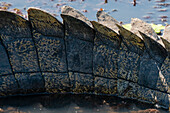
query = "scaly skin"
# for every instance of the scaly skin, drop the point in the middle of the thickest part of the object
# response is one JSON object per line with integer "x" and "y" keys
{"x": 42, "y": 55}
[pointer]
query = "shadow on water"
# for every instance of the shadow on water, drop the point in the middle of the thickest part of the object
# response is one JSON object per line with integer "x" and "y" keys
{"x": 69, "y": 103}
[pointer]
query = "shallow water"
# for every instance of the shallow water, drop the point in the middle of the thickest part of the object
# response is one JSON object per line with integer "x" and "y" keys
{"x": 151, "y": 11}
{"x": 68, "y": 103}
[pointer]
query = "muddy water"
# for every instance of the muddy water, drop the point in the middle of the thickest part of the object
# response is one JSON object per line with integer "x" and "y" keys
{"x": 151, "y": 11}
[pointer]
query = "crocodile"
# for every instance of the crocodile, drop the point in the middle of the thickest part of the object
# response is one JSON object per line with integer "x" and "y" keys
{"x": 41, "y": 55}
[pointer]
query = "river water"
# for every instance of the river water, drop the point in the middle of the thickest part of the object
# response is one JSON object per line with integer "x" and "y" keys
{"x": 151, "y": 11}
{"x": 67, "y": 103}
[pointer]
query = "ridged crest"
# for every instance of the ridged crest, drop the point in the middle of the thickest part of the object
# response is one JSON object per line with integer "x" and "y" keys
{"x": 45, "y": 23}
{"x": 156, "y": 50}
{"x": 107, "y": 20}
{"x": 70, "y": 11}
{"x": 111, "y": 37}
{"x": 132, "y": 41}
{"x": 14, "y": 25}
{"x": 84, "y": 31}
{"x": 139, "y": 25}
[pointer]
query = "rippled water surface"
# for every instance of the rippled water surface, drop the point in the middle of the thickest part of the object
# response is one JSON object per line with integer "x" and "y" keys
{"x": 152, "y": 11}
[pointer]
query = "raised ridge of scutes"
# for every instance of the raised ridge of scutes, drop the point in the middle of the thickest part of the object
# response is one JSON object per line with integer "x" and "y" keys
{"x": 45, "y": 23}
{"x": 48, "y": 36}
{"x": 132, "y": 41}
{"x": 16, "y": 36}
{"x": 79, "y": 38}
{"x": 14, "y": 25}
{"x": 110, "y": 37}
{"x": 72, "y": 25}
{"x": 67, "y": 10}
{"x": 155, "y": 50}
{"x": 105, "y": 55}
{"x": 107, "y": 20}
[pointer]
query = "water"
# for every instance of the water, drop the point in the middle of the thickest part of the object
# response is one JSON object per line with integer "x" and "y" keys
{"x": 68, "y": 103}
{"x": 151, "y": 11}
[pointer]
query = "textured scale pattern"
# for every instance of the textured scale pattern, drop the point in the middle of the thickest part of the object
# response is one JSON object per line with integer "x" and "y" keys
{"x": 42, "y": 55}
